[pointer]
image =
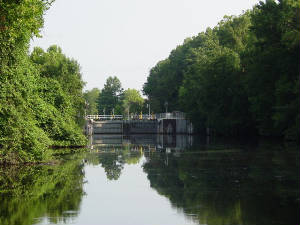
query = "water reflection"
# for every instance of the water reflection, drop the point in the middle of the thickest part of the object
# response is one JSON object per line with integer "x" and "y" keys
{"x": 31, "y": 192}
{"x": 113, "y": 159}
{"x": 117, "y": 150}
{"x": 230, "y": 186}
{"x": 207, "y": 182}
{"x": 213, "y": 182}
{"x": 145, "y": 142}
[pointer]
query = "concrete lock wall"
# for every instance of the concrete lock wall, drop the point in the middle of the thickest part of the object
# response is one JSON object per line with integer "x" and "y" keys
{"x": 140, "y": 127}
{"x": 108, "y": 127}
{"x": 174, "y": 126}
{"x": 107, "y": 139}
{"x": 181, "y": 126}
{"x": 128, "y": 127}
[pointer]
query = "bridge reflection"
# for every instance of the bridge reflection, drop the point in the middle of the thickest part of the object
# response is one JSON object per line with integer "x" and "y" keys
{"x": 154, "y": 142}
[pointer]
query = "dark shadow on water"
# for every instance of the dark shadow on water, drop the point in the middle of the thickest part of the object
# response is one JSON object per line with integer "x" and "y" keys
{"x": 31, "y": 192}
{"x": 230, "y": 182}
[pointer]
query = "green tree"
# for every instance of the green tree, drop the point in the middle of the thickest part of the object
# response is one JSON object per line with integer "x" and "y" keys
{"x": 54, "y": 65}
{"x": 212, "y": 91}
{"x": 273, "y": 68}
{"x": 91, "y": 98}
{"x": 165, "y": 79}
{"x": 110, "y": 97}
{"x": 61, "y": 108}
{"x": 20, "y": 137}
{"x": 240, "y": 77}
{"x": 132, "y": 101}
{"x": 41, "y": 99}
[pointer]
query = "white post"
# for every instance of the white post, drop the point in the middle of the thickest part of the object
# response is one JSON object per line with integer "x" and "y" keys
{"x": 128, "y": 112}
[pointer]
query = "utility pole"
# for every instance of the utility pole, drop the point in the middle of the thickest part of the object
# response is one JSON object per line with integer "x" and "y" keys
{"x": 148, "y": 106}
{"x": 166, "y": 105}
{"x": 128, "y": 111}
{"x": 85, "y": 108}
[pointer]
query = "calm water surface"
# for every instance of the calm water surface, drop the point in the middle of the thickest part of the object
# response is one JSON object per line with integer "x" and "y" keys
{"x": 158, "y": 180}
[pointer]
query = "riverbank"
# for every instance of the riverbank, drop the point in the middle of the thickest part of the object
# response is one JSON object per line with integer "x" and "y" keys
{"x": 53, "y": 156}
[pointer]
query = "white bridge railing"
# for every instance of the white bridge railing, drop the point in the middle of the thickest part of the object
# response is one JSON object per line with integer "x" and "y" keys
{"x": 104, "y": 117}
{"x": 121, "y": 117}
{"x": 173, "y": 115}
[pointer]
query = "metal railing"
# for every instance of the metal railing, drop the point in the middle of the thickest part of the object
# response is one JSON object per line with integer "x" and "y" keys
{"x": 104, "y": 117}
{"x": 140, "y": 117}
{"x": 173, "y": 115}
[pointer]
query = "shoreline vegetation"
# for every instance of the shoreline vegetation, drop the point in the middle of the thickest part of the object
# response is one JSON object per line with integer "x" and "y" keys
{"x": 41, "y": 97}
{"x": 240, "y": 78}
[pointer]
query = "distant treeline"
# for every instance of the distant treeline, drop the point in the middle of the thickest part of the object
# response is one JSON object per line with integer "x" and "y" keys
{"x": 41, "y": 100}
{"x": 112, "y": 99}
{"x": 241, "y": 77}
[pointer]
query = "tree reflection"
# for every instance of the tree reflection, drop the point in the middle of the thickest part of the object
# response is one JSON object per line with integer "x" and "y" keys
{"x": 113, "y": 164}
{"x": 31, "y": 192}
{"x": 113, "y": 159}
{"x": 230, "y": 187}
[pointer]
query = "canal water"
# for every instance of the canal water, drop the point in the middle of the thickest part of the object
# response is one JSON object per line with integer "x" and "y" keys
{"x": 158, "y": 180}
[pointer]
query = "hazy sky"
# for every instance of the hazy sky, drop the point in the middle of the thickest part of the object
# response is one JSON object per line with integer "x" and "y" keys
{"x": 126, "y": 38}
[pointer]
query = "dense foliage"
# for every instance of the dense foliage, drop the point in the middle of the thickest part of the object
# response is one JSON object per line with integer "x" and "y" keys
{"x": 109, "y": 101}
{"x": 91, "y": 98}
{"x": 112, "y": 99}
{"x": 40, "y": 94}
{"x": 240, "y": 77}
{"x": 132, "y": 101}
{"x": 60, "y": 87}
